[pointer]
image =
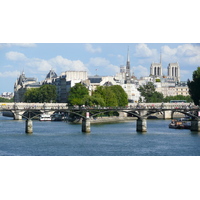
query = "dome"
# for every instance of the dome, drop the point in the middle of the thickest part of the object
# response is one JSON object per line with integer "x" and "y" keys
{"x": 51, "y": 75}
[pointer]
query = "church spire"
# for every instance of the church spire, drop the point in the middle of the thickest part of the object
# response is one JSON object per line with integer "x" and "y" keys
{"x": 128, "y": 57}
{"x": 128, "y": 73}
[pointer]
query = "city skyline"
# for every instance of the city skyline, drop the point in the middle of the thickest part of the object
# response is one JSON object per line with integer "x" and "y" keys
{"x": 103, "y": 59}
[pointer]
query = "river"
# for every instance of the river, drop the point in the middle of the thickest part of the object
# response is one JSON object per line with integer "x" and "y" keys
{"x": 115, "y": 139}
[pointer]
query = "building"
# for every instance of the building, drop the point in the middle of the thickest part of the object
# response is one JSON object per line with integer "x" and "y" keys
{"x": 7, "y": 95}
{"x": 174, "y": 71}
{"x": 65, "y": 81}
{"x": 50, "y": 77}
{"x": 156, "y": 69}
{"x": 22, "y": 84}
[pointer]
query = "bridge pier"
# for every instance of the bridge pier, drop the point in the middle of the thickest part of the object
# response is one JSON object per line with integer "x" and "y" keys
{"x": 141, "y": 125}
{"x": 195, "y": 125}
{"x": 167, "y": 114}
{"x": 86, "y": 125}
{"x": 29, "y": 126}
{"x": 17, "y": 115}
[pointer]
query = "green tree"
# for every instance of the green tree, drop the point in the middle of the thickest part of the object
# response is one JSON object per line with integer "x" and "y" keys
{"x": 194, "y": 86}
{"x": 77, "y": 94}
{"x": 121, "y": 96}
{"x": 46, "y": 93}
{"x": 94, "y": 101}
{"x": 177, "y": 97}
{"x": 31, "y": 95}
{"x": 150, "y": 94}
{"x": 107, "y": 94}
{"x": 6, "y": 100}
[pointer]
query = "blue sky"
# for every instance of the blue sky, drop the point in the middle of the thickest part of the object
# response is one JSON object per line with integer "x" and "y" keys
{"x": 36, "y": 59}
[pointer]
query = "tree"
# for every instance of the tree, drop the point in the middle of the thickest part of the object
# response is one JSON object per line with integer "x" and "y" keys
{"x": 6, "y": 100}
{"x": 150, "y": 94}
{"x": 177, "y": 97}
{"x": 194, "y": 86}
{"x": 31, "y": 95}
{"x": 121, "y": 96}
{"x": 94, "y": 100}
{"x": 106, "y": 93}
{"x": 77, "y": 94}
{"x": 46, "y": 93}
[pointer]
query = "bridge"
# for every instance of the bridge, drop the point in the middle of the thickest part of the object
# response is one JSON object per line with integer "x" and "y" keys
{"x": 139, "y": 110}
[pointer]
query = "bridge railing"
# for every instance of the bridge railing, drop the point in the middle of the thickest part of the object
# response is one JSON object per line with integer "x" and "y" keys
{"x": 32, "y": 106}
{"x": 63, "y": 106}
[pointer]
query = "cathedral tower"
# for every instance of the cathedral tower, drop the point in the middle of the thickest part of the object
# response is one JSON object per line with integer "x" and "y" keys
{"x": 128, "y": 71}
{"x": 156, "y": 68}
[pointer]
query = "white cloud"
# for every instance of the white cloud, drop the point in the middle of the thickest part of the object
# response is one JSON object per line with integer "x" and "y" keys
{"x": 140, "y": 71}
{"x": 113, "y": 69}
{"x": 39, "y": 64}
{"x": 186, "y": 53}
{"x": 142, "y": 50}
{"x": 57, "y": 62}
{"x": 10, "y": 74}
{"x": 15, "y": 56}
{"x": 91, "y": 49}
{"x": 98, "y": 61}
{"x": 66, "y": 64}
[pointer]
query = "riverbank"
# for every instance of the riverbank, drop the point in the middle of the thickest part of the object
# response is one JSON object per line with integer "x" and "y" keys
{"x": 116, "y": 119}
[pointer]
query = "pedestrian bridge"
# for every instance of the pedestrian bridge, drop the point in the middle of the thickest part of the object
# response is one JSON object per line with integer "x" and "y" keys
{"x": 139, "y": 110}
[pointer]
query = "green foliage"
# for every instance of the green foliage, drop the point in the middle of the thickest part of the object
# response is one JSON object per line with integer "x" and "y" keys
{"x": 31, "y": 95}
{"x": 157, "y": 80}
{"x": 77, "y": 94}
{"x": 177, "y": 97}
{"x": 150, "y": 94}
{"x": 46, "y": 93}
{"x": 121, "y": 96}
{"x": 194, "y": 86}
{"x": 94, "y": 100}
{"x": 112, "y": 95}
{"x": 103, "y": 96}
{"x": 6, "y": 100}
{"x": 107, "y": 95}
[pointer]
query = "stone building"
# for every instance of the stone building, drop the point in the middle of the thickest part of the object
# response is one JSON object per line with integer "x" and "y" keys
{"x": 22, "y": 84}
{"x": 174, "y": 71}
{"x": 156, "y": 69}
{"x": 67, "y": 80}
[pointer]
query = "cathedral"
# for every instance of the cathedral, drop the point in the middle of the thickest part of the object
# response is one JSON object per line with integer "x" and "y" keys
{"x": 173, "y": 70}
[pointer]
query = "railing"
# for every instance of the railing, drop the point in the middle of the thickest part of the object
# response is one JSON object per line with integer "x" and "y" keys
{"x": 63, "y": 106}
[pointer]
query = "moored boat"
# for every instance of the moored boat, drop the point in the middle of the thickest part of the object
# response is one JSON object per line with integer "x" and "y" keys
{"x": 177, "y": 124}
{"x": 45, "y": 117}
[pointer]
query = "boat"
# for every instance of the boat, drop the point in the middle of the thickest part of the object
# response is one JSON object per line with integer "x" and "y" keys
{"x": 45, "y": 117}
{"x": 58, "y": 117}
{"x": 179, "y": 124}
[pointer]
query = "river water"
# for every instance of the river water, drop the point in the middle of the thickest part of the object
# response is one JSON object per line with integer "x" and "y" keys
{"x": 115, "y": 139}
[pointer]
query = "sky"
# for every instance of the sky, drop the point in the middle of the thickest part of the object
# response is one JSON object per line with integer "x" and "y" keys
{"x": 103, "y": 59}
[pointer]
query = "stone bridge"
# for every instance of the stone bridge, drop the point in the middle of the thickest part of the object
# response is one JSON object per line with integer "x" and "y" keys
{"x": 140, "y": 110}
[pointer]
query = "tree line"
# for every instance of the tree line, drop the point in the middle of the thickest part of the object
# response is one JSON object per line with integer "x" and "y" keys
{"x": 103, "y": 96}
{"x": 45, "y": 93}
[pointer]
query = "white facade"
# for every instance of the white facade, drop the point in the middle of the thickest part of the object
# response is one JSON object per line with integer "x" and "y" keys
{"x": 174, "y": 71}
{"x": 75, "y": 75}
{"x": 156, "y": 69}
{"x": 132, "y": 92}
